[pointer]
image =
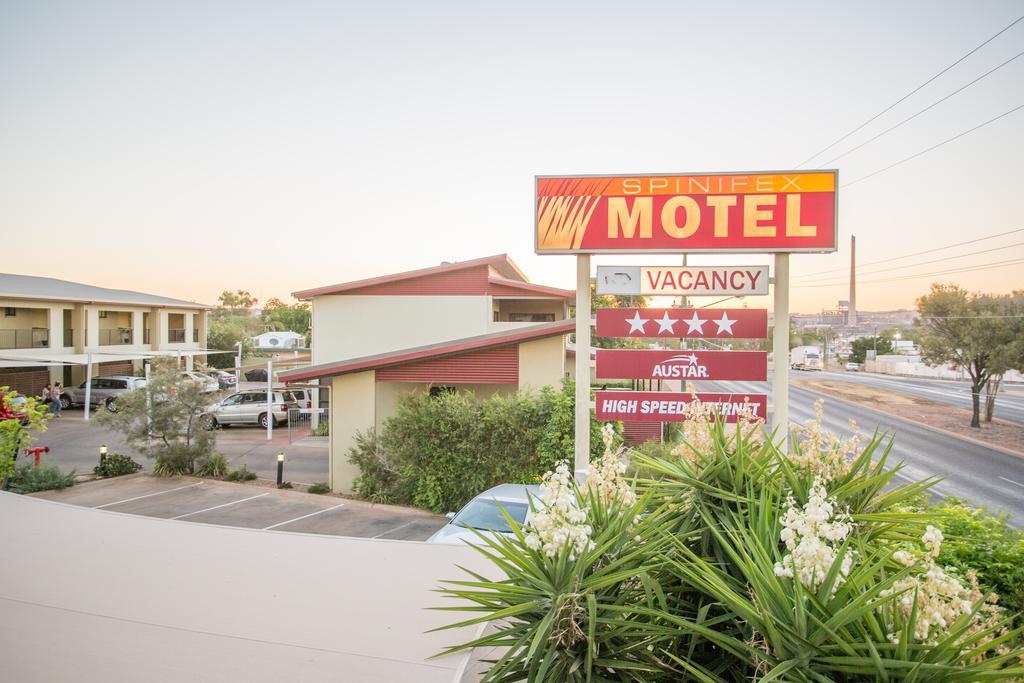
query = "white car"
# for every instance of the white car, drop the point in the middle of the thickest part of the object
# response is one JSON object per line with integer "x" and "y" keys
{"x": 210, "y": 384}
{"x": 853, "y": 367}
{"x": 483, "y": 513}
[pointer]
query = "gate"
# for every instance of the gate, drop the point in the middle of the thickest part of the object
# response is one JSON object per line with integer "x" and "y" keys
{"x": 300, "y": 425}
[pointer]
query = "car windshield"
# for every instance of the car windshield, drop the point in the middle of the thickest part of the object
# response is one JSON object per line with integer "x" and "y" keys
{"x": 485, "y": 514}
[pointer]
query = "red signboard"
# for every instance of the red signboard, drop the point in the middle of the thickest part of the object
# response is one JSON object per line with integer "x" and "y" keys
{"x": 682, "y": 365}
{"x": 645, "y": 406}
{"x": 706, "y": 323}
{"x": 784, "y": 211}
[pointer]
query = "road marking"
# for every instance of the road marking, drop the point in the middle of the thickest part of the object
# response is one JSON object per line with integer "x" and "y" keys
{"x": 148, "y": 495}
{"x": 311, "y": 514}
{"x": 224, "y": 505}
{"x": 1013, "y": 482}
{"x": 400, "y": 526}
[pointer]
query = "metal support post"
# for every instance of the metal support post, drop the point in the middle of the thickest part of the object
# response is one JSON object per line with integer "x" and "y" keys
{"x": 582, "y": 454}
{"x": 88, "y": 385}
{"x": 270, "y": 400}
{"x": 780, "y": 347}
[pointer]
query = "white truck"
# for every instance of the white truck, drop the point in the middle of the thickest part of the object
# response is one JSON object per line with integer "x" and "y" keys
{"x": 805, "y": 358}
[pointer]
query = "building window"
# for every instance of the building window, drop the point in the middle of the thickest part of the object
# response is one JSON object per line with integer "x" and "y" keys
{"x": 10, "y": 312}
{"x": 496, "y": 316}
{"x": 531, "y": 317}
{"x": 103, "y": 314}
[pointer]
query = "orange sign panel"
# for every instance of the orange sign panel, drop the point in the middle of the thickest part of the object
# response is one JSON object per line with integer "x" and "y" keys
{"x": 786, "y": 211}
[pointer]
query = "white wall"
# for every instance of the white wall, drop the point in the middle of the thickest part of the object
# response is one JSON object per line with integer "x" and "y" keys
{"x": 354, "y": 326}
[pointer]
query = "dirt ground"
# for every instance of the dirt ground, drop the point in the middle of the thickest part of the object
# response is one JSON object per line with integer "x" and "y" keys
{"x": 957, "y": 420}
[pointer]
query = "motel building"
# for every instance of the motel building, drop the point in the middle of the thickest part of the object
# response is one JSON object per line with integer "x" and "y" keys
{"x": 477, "y": 325}
{"x": 51, "y": 330}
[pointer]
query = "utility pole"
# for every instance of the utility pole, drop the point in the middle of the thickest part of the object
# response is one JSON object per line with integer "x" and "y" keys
{"x": 851, "y": 314}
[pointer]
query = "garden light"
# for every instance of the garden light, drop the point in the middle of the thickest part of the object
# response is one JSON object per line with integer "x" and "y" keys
{"x": 280, "y": 468}
{"x": 103, "y": 453}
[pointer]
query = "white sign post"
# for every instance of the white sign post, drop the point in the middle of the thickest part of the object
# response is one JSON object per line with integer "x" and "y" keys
{"x": 270, "y": 400}
{"x": 780, "y": 346}
{"x": 582, "y": 453}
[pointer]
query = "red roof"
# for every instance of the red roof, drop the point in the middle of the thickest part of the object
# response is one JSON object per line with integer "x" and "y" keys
{"x": 502, "y": 287}
{"x": 500, "y": 263}
{"x": 439, "y": 350}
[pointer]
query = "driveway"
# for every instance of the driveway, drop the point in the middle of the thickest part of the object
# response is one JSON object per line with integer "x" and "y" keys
{"x": 208, "y": 501}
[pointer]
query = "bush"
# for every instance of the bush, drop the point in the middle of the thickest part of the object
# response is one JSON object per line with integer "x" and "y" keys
{"x": 319, "y": 488}
{"x": 212, "y": 465}
{"x": 115, "y": 465}
{"x": 322, "y": 429}
{"x": 29, "y": 478}
{"x": 241, "y": 474}
{"x": 736, "y": 563}
{"x": 285, "y": 485}
{"x": 174, "y": 460}
{"x": 439, "y": 452}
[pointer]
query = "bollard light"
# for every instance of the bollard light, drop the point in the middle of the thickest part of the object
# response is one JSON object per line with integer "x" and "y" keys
{"x": 103, "y": 453}
{"x": 280, "y": 468}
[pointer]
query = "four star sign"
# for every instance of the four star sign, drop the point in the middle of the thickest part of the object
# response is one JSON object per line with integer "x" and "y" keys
{"x": 695, "y": 325}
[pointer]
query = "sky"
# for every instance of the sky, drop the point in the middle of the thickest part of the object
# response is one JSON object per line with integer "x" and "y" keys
{"x": 184, "y": 148}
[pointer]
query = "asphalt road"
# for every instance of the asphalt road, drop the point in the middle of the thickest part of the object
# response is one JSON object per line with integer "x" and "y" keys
{"x": 1009, "y": 401}
{"x": 983, "y": 475}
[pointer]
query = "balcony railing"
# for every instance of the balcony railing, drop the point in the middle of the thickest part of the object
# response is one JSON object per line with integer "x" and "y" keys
{"x": 69, "y": 337}
{"x": 34, "y": 338}
{"x": 116, "y": 337}
{"x": 175, "y": 336}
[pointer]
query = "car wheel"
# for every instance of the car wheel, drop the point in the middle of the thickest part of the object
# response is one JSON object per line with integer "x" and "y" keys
{"x": 110, "y": 405}
{"x": 262, "y": 420}
{"x": 212, "y": 424}
{"x": 65, "y": 402}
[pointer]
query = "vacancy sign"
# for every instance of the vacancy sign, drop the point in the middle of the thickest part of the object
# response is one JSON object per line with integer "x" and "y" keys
{"x": 649, "y": 406}
{"x": 684, "y": 365}
{"x": 703, "y": 323}
{"x": 783, "y": 211}
{"x": 682, "y": 280}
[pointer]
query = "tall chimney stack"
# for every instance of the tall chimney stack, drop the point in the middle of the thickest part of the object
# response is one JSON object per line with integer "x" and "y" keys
{"x": 851, "y": 316}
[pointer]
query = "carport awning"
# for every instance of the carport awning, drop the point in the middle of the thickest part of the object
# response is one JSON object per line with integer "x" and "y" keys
{"x": 24, "y": 359}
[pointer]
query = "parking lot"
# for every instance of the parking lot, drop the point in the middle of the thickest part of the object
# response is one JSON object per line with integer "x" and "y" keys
{"x": 206, "y": 501}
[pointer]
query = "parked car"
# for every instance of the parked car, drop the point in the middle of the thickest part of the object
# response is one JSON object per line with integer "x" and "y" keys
{"x": 103, "y": 391}
{"x": 256, "y": 375}
{"x": 853, "y": 367}
{"x": 304, "y": 397}
{"x": 225, "y": 379}
{"x": 484, "y": 513}
{"x": 250, "y": 408}
{"x": 209, "y": 383}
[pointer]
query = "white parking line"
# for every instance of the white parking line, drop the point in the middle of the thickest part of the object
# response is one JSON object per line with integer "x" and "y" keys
{"x": 224, "y": 505}
{"x": 1013, "y": 482}
{"x": 148, "y": 495}
{"x": 400, "y": 526}
{"x": 311, "y": 514}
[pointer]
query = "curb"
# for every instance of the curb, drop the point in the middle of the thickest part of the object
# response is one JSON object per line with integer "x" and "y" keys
{"x": 937, "y": 430}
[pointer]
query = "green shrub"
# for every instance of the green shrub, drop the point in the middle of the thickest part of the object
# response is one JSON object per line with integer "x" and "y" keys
{"x": 115, "y": 465}
{"x": 983, "y": 542}
{"x": 737, "y": 563}
{"x": 319, "y": 488}
{"x": 174, "y": 460}
{"x": 29, "y": 478}
{"x": 322, "y": 429}
{"x": 212, "y": 465}
{"x": 438, "y": 452}
{"x": 241, "y": 474}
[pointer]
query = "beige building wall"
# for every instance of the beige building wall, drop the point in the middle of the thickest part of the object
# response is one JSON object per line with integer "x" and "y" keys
{"x": 542, "y": 363}
{"x": 352, "y": 411}
{"x": 353, "y": 326}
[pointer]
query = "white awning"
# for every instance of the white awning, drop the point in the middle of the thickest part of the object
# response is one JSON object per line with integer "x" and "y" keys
{"x": 25, "y": 359}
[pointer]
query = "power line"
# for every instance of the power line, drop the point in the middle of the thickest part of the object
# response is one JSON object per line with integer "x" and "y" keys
{"x": 939, "y": 260}
{"x": 966, "y": 269}
{"x": 887, "y": 109}
{"x": 914, "y": 116}
{"x": 933, "y": 147}
{"x": 916, "y": 253}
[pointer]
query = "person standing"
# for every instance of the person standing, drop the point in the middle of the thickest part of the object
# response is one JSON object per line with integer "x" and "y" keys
{"x": 46, "y": 395}
{"x": 55, "y": 403}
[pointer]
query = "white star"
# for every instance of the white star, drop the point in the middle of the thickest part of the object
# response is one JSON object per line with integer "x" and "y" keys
{"x": 695, "y": 324}
{"x": 724, "y": 324}
{"x": 692, "y": 359}
{"x": 637, "y": 323}
{"x": 666, "y": 324}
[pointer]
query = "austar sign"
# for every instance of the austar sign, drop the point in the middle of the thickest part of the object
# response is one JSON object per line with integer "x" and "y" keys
{"x": 690, "y": 365}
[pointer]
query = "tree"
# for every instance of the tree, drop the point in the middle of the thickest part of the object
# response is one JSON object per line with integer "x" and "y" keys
{"x": 860, "y": 347}
{"x": 239, "y": 298}
{"x": 20, "y": 416}
{"x": 966, "y": 330}
{"x": 280, "y": 316}
{"x": 225, "y": 334}
{"x": 168, "y": 420}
